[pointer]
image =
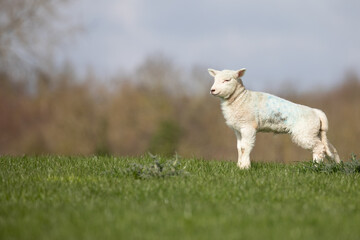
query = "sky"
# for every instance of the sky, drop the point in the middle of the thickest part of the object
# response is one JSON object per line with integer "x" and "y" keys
{"x": 305, "y": 43}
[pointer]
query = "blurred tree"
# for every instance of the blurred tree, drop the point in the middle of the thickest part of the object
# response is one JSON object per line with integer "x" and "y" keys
{"x": 166, "y": 139}
{"x": 28, "y": 31}
{"x": 13, "y": 111}
{"x": 159, "y": 75}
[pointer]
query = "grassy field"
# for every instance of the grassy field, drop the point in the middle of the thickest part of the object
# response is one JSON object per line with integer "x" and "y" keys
{"x": 110, "y": 198}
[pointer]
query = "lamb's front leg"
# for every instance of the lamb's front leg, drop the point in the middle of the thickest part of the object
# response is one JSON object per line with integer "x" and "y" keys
{"x": 245, "y": 142}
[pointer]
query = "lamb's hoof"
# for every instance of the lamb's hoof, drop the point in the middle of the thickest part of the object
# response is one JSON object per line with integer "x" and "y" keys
{"x": 318, "y": 160}
{"x": 318, "y": 157}
{"x": 244, "y": 166}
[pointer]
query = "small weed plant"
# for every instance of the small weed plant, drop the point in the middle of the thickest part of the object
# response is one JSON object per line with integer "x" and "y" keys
{"x": 350, "y": 167}
{"x": 157, "y": 169}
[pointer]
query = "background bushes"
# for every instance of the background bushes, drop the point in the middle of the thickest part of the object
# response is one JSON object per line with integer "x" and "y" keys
{"x": 152, "y": 109}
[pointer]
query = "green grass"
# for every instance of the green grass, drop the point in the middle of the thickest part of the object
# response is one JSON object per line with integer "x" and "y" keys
{"x": 101, "y": 198}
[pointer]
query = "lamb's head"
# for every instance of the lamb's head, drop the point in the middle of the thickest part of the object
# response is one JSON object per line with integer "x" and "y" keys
{"x": 226, "y": 82}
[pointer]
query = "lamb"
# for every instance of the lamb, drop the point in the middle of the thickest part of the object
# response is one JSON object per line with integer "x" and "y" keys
{"x": 248, "y": 112}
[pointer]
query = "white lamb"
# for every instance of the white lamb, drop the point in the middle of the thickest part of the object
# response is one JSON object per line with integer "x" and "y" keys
{"x": 249, "y": 112}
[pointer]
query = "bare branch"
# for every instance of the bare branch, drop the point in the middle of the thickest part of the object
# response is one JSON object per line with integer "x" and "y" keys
{"x": 26, "y": 32}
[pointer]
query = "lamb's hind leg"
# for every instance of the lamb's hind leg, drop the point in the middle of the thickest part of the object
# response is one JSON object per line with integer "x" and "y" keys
{"x": 310, "y": 141}
{"x": 334, "y": 155}
{"x": 245, "y": 143}
{"x": 318, "y": 151}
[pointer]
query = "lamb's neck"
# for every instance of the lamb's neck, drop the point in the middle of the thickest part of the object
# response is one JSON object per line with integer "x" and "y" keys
{"x": 239, "y": 94}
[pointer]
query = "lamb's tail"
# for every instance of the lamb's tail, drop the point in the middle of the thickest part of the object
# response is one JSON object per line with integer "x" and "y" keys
{"x": 324, "y": 126}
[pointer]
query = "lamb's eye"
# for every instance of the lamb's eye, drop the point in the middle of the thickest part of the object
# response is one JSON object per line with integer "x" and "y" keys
{"x": 227, "y": 80}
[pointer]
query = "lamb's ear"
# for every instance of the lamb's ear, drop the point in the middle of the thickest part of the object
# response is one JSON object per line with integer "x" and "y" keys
{"x": 240, "y": 73}
{"x": 212, "y": 72}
